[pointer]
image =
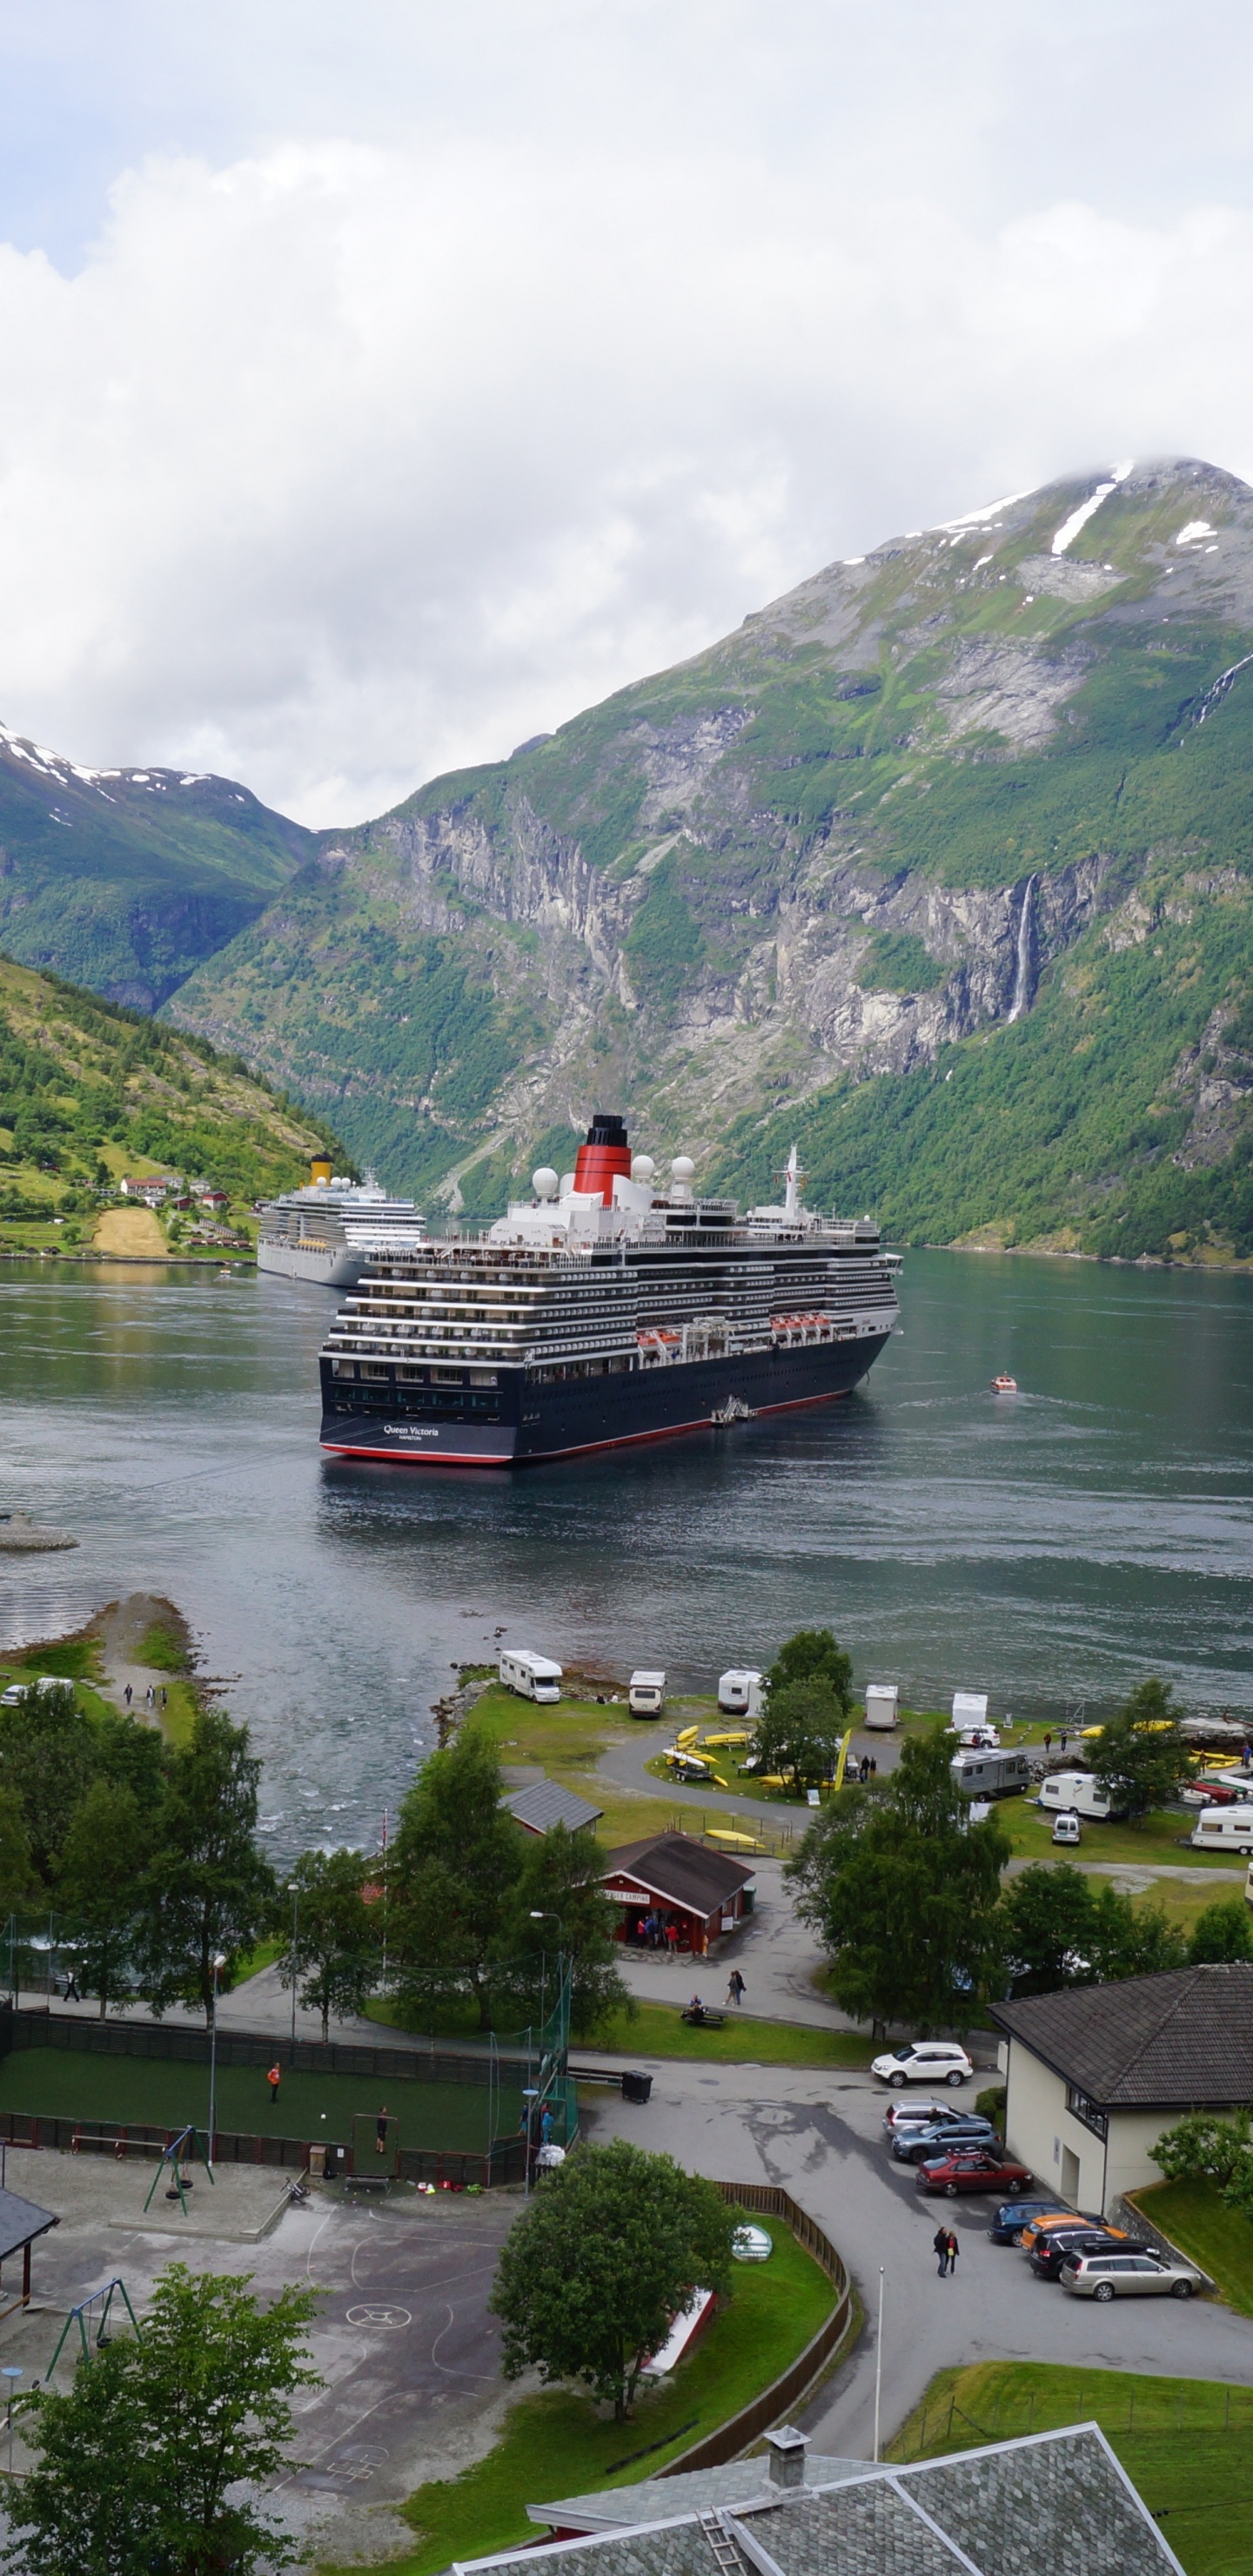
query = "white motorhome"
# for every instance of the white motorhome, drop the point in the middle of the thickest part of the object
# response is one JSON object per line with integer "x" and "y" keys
{"x": 646, "y": 1694}
{"x": 881, "y": 1700}
{"x": 970, "y": 1708}
{"x": 41, "y": 1682}
{"x": 739, "y": 1692}
{"x": 532, "y": 1676}
{"x": 988, "y": 1774}
{"x": 1079, "y": 1790}
{"x": 1224, "y": 1829}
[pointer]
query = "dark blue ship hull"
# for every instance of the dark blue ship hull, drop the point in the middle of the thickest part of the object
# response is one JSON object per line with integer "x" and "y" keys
{"x": 520, "y": 1421}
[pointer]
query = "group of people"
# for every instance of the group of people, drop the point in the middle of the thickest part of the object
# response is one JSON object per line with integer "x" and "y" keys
{"x": 867, "y": 1768}
{"x": 946, "y": 2248}
{"x": 153, "y": 1698}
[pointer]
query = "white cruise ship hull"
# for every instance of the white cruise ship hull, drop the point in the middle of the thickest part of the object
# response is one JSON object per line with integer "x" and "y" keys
{"x": 330, "y": 1265}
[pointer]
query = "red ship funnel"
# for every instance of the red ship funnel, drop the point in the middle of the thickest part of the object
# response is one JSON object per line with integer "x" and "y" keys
{"x": 605, "y": 1154}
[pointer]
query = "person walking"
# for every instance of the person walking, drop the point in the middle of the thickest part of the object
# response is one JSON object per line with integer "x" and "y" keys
{"x": 1062, "y": 1739}
{"x": 954, "y": 2250}
{"x": 1048, "y": 1743}
{"x": 381, "y": 2127}
{"x": 939, "y": 2247}
{"x": 273, "y": 2079}
{"x": 127, "y": 1694}
{"x": 735, "y": 1988}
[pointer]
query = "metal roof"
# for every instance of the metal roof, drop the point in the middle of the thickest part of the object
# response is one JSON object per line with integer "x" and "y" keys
{"x": 546, "y": 1803}
{"x": 660, "y": 2499}
{"x": 680, "y": 1871}
{"x": 1179, "y": 2041}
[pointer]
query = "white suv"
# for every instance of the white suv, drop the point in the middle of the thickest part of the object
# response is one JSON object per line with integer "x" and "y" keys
{"x": 925, "y": 2061}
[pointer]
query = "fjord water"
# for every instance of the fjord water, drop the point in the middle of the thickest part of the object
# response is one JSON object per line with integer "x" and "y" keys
{"x": 1050, "y": 1548}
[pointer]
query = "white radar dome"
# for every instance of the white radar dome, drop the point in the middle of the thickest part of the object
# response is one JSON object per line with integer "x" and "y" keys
{"x": 642, "y": 1167}
{"x": 683, "y": 1169}
{"x": 544, "y": 1182}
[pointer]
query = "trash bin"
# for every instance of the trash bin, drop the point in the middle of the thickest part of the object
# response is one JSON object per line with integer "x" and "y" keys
{"x": 636, "y": 2088}
{"x": 317, "y": 2161}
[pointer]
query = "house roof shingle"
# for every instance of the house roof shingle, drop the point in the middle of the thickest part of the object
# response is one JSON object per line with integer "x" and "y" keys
{"x": 1178, "y": 2041}
{"x": 660, "y": 2499}
{"x": 1048, "y": 2500}
{"x": 681, "y": 1871}
{"x": 545, "y": 1803}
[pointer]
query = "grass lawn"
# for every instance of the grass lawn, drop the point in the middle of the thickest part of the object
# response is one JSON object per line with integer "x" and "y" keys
{"x": 559, "y": 2444}
{"x": 1184, "y": 2442}
{"x": 1030, "y": 1829}
{"x": 1198, "y": 2221}
{"x": 657, "y": 2031}
{"x": 166, "y": 2093}
{"x": 568, "y": 1741}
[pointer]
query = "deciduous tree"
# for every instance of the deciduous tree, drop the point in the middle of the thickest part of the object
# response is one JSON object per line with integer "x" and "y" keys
{"x": 1140, "y": 1756}
{"x": 557, "y": 1906}
{"x": 208, "y": 1890}
{"x": 610, "y": 2249}
{"x": 101, "y": 1887}
{"x": 798, "y": 1733}
{"x": 813, "y": 1654}
{"x": 1047, "y": 1929}
{"x": 146, "y": 2463}
{"x": 1221, "y": 1932}
{"x": 455, "y": 1861}
{"x": 333, "y": 1942}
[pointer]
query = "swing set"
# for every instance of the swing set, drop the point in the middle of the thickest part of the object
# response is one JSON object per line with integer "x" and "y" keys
{"x": 81, "y": 2315}
{"x": 188, "y": 2143}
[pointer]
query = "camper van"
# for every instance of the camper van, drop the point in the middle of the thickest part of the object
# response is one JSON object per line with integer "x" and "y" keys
{"x": 970, "y": 1708}
{"x": 532, "y": 1676}
{"x": 41, "y": 1682}
{"x": 986, "y": 1774}
{"x": 1224, "y": 1829}
{"x": 739, "y": 1693}
{"x": 881, "y": 1699}
{"x": 646, "y": 1694}
{"x": 1078, "y": 1790}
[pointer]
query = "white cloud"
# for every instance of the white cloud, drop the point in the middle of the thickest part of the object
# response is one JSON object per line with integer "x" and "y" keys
{"x": 343, "y": 461}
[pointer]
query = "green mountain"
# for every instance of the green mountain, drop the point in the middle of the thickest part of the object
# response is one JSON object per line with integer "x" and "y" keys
{"x": 123, "y": 879}
{"x": 939, "y": 865}
{"x": 90, "y": 1092}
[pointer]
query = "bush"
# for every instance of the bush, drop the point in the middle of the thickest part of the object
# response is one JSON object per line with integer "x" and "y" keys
{"x": 992, "y": 2104}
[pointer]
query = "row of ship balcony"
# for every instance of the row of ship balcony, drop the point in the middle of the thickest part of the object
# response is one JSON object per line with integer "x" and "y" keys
{"x": 650, "y": 1346}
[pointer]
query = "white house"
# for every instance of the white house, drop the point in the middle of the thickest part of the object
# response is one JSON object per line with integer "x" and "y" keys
{"x": 1095, "y": 2073}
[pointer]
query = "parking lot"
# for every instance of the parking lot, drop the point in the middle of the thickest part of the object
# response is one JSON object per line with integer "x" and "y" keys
{"x": 402, "y": 2338}
{"x": 821, "y": 2136}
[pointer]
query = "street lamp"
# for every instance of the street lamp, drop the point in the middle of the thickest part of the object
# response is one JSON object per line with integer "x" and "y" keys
{"x": 293, "y": 1890}
{"x": 219, "y": 1962}
{"x": 11, "y": 2372}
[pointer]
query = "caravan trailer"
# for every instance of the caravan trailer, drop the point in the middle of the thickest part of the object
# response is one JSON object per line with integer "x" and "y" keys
{"x": 1081, "y": 1791}
{"x": 881, "y": 1704}
{"x": 532, "y": 1676}
{"x": 987, "y": 1774}
{"x": 1224, "y": 1829}
{"x": 646, "y": 1694}
{"x": 739, "y": 1693}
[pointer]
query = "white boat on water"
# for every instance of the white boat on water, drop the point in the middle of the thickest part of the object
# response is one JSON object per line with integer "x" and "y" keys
{"x": 331, "y": 1230}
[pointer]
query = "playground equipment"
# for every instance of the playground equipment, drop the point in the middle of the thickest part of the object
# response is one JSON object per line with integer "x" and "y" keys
{"x": 188, "y": 2143}
{"x": 78, "y": 2317}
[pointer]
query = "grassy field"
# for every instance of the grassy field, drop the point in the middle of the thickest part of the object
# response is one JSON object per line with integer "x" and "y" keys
{"x": 567, "y": 1743}
{"x": 1156, "y": 1839}
{"x": 67, "y": 2084}
{"x": 1184, "y": 2442}
{"x": 559, "y": 2444}
{"x": 657, "y": 2031}
{"x": 1197, "y": 2220}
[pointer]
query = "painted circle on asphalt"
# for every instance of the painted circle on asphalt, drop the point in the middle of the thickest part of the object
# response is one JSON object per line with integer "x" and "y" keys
{"x": 379, "y": 2313}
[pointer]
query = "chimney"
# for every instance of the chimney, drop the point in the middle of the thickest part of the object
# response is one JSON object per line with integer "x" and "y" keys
{"x": 787, "y": 2456}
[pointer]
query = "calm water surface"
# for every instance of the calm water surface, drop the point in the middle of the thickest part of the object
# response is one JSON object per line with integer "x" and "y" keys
{"x": 1049, "y": 1548}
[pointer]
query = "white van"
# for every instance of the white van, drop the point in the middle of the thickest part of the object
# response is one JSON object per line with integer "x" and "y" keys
{"x": 1224, "y": 1829}
{"x": 532, "y": 1676}
{"x": 881, "y": 1699}
{"x": 739, "y": 1692}
{"x": 1080, "y": 1790}
{"x": 646, "y": 1694}
{"x": 38, "y": 1682}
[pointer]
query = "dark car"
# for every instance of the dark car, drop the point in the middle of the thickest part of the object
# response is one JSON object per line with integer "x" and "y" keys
{"x": 970, "y": 2169}
{"x": 1050, "y": 2252}
{"x": 914, "y": 2146}
{"x": 1015, "y": 2214}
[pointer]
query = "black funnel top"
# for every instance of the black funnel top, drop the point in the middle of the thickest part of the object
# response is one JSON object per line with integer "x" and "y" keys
{"x": 606, "y": 1128}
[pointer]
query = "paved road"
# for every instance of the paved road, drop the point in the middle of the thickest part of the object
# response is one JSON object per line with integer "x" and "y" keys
{"x": 821, "y": 2136}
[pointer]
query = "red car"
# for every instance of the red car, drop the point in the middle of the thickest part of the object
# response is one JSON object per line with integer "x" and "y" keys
{"x": 970, "y": 2169}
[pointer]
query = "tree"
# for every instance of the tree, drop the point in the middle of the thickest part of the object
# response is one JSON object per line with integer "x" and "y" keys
{"x": 1220, "y": 1932}
{"x": 903, "y": 1892}
{"x": 1130, "y": 1940}
{"x": 813, "y": 1654}
{"x": 591, "y": 2278}
{"x": 455, "y": 1861}
{"x": 16, "y": 1866}
{"x": 1140, "y": 1755}
{"x": 48, "y": 1757}
{"x": 557, "y": 1905}
{"x": 333, "y": 1944}
{"x": 136, "y": 2463}
{"x": 208, "y": 1890}
{"x": 798, "y": 1733}
{"x": 1205, "y": 2148}
{"x": 1047, "y": 1929}
{"x": 101, "y": 1886}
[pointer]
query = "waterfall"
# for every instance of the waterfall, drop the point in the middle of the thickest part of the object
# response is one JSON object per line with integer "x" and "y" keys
{"x": 1022, "y": 970}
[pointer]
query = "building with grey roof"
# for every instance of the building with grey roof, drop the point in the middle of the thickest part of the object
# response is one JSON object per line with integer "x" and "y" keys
{"x": 545, "y": 1803}
{"x": 1095, "y": 2073}
{"x": 1056, "y": 2501}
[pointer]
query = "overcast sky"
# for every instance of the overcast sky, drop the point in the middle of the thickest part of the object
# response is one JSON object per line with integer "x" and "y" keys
{"x": 379, "y": 384}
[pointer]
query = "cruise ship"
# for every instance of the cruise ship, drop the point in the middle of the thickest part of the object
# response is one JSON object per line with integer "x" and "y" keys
{"x": 333, "y": 1229}
{"x": 603, "y": 1310}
